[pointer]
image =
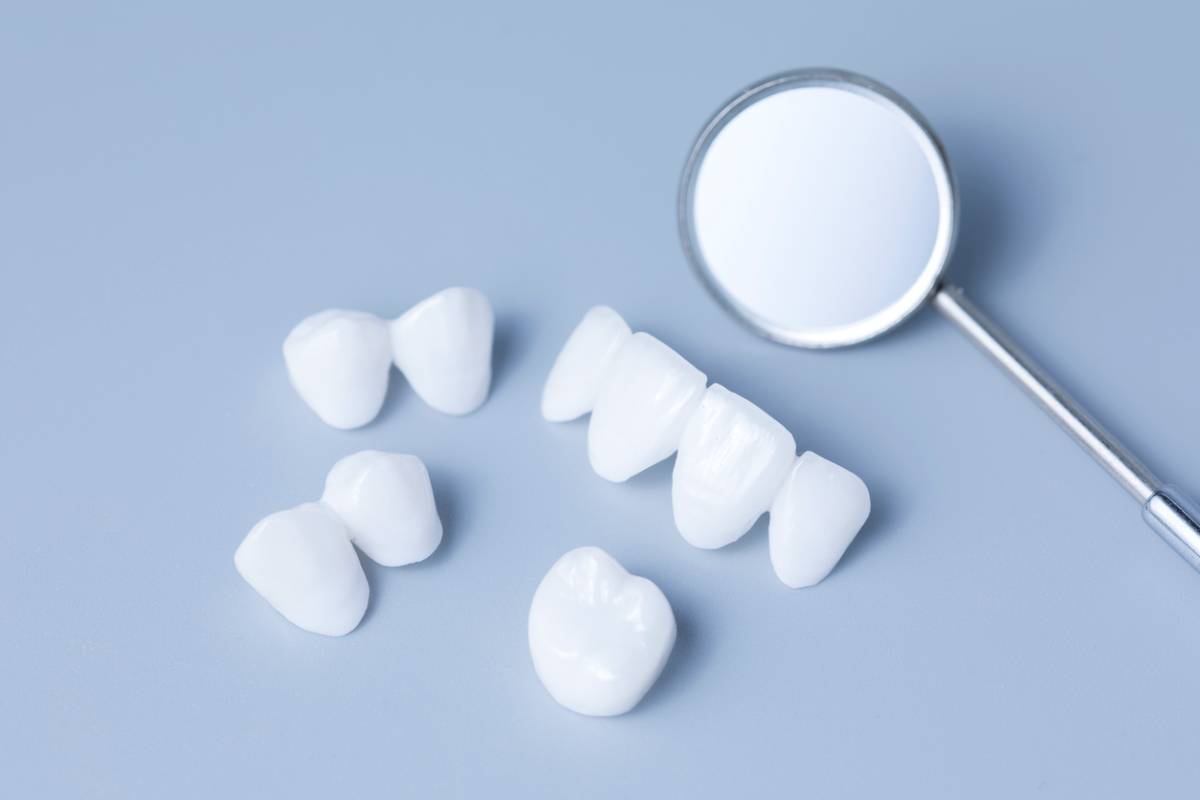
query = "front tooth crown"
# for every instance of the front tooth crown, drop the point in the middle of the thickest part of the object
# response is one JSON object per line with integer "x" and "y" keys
{"x": 732, "y": 459}
{"x": 386, "y": 502}
{"x": 818, "y": 512}
{"x": 579, "y": 370}
{"x": 303, "y": 564}
{"x": 599, "y": 637}
{"x": 647, "y": 396}
{"x": 443, "y": 345}
{"x": 339, "y": 361}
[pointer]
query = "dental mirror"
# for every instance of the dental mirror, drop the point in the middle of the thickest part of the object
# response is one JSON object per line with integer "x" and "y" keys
{"x": 818, "y": 207}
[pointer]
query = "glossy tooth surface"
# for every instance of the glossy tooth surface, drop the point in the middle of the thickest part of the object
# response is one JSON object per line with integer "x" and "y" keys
{"x": 816, "y": 515}
{"x": 386, "y": 502}
{"x": 646, "y": 398}
{"x": 338, "y": 361}
{"x": 732, "y": 459}
{"x": 301, "y": 561}
{"x": 599, "y": 636}
{"x": 579, "y": 370}
{"x": 443, "y": 345}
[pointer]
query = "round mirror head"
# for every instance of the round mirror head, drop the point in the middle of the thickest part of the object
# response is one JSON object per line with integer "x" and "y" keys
{"x": 819, "y": 208}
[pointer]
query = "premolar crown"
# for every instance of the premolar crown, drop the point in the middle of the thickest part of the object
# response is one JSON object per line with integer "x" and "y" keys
{"x": 339, "y": 361}
{"x": 386, "y": 502}
{"x": 734, "y": 463}
{"x": 443, "y": 345}
{"x": 302, "y": 563}
{"x": 302, "y": 560}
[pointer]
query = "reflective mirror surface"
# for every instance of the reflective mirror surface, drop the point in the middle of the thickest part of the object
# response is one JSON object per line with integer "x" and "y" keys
{"x": 819, "y": 208}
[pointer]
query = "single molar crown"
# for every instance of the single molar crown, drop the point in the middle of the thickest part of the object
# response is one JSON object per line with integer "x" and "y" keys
{"x": 302, "y": 560}
{"x": 734, "y": 462}
{"x": 339, "y": 361}
{"x": 599, "y": 636}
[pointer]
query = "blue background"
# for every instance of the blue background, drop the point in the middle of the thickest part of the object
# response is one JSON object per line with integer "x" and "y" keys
{"x": 180, "y": 186}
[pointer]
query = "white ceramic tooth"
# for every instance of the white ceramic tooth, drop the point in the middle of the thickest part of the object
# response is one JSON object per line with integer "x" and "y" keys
{"x": 302, "y": 562}
{"x": 646, "y": 398}
{"x": 338, "y": 361}
{"x": 579, "y": 370}
{"x": 732, "y": 459}
{"x": 599, "y": 636}
{"x": 386, "y": 502}
{"x": 818, "y": 512}
{"x": 443, "y": 345}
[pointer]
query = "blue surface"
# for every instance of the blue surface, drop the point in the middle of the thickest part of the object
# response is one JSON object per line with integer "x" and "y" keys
{"x": 178, "y": 187}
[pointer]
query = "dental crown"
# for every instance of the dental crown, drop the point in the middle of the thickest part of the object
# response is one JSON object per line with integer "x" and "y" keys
{"x": 599, "y": 637}
{"x": 339, "y": 361}
{"x": 734, "y": 462}
{"x": 302, "y": 560}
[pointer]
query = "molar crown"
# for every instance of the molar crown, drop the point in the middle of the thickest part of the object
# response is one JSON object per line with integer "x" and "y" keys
{"x": 599, "y": 637}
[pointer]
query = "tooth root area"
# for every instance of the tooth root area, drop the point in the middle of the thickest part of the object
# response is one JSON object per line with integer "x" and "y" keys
{"x": 579, "y": 371}
{"x": 338, "y": 361}
{"x": 443, "y": 345}
{"x": 819, "y": 510}
{"x": 386, "y": 501}
{"x": 301, "y": 561}
{"x": 599, "y": 637}
{"x": 646, "y": 398}
{"x": 732, "y": 459}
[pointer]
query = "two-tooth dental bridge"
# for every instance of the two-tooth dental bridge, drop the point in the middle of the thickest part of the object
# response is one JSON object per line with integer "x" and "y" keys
{"x": 302, "y": 560}
{"x": 340, "y": 361}
{"x": 734, "y": 461}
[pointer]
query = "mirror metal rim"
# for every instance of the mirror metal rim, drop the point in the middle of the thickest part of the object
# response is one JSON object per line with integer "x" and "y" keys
{"x": 929, "y": 278}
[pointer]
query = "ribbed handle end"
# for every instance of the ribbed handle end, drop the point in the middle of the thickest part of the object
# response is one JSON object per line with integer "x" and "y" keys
{"x": 1174, "y": 517}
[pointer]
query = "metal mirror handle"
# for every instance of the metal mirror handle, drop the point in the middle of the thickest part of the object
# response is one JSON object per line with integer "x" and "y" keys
{"x": 1171, "y": 514}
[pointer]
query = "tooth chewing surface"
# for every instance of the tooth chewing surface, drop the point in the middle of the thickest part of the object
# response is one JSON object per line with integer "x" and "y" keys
{"x": 579, "y": 370}
{"x": 339, "y": 361}
{"x": 732, "y": 459}
{"x": 443, "y": 345}
{"x": 599, "y": 637}
{"x": 818, "y": 512}
{"x": 647, "y": 396}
